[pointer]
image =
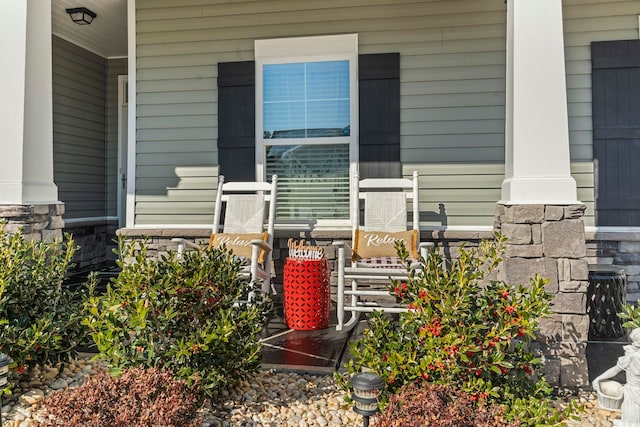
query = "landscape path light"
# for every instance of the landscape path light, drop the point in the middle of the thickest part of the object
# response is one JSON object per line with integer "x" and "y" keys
{"x": 4, "y": 374}
{"x": 367, "y": 387}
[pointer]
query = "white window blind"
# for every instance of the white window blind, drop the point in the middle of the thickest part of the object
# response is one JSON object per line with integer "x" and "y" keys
{"x": 306, "y": 100}
{"x": 313, "y": 180}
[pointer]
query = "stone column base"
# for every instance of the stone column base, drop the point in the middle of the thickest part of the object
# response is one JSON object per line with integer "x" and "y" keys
{"x": 549, "y": 240}
{"x": 38, "y": 222}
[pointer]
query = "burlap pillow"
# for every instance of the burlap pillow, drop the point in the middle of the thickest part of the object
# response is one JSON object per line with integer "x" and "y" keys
{"x": 238, "y": 243}
{"x": 375, "y": 244}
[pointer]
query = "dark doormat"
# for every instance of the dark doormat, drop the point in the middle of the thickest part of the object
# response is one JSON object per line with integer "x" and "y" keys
{"x": 315, "y": 351}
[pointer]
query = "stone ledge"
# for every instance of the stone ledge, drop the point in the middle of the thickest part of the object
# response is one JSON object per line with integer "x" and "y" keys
{"x": 456, "y": 234}
{"x": 164, "y": 232}
{"x": 616, "y": 236}
{"x": 425, "y": 234}
{"x": 71, "y": 223}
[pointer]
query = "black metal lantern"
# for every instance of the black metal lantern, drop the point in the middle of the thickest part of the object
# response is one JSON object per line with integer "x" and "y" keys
{"x": 366, "y": 392}
{"x": 4, "y": 375}
{"x": 81, "y": 15}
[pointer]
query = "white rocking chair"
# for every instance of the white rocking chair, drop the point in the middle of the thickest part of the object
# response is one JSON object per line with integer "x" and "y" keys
{"x": 375, "y": 261}
{"x": 246, "y": 231}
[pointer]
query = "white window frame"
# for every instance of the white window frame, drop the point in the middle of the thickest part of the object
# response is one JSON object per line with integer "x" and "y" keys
{"x": 309, "y": 49}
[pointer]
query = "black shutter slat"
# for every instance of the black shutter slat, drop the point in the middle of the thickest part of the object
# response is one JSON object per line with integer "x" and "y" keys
{"x": 236, "y": 120}
{"x": 379, "y": 99}
{"x": 615, "y": 54}
{"x": 610, "y": 132}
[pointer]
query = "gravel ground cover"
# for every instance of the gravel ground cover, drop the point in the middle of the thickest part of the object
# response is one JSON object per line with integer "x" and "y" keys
{"x": 270, "y": 399}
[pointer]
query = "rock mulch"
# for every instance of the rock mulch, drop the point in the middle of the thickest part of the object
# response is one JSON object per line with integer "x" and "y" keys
{"x": 593, "y": 415}
{"x": 271, "y": 399}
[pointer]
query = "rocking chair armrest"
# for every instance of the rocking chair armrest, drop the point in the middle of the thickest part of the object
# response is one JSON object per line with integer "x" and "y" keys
{"x": 424, "y": 248}
{"x": 262, "y": 244}
{"x": 341, "y": 243}
{"x": 184, "y": 244}
{"x": 344, "y": 248}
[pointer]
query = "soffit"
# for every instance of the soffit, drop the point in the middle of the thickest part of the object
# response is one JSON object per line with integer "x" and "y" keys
{"x": 107, "y": 34}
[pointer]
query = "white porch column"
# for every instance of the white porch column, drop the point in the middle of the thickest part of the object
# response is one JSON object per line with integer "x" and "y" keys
{"x": 537, "y": 160}
{"x": 26, "y": 108}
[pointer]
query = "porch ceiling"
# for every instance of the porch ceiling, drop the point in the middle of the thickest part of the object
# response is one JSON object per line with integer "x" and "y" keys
{"x": 107, "y": 34}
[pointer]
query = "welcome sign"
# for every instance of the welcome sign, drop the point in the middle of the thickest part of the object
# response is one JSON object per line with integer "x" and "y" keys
{"x": 299, "y": 251}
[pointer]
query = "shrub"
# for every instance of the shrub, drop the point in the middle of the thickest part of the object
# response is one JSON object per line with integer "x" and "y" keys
{"x": 631, "y": 312}
{"x": 180, "y": 315}
{"x": 437, "y": 406}
{"x": 138, "y": 398}
{"x": 465, "y": 331}
{"x": 40, "y": 323}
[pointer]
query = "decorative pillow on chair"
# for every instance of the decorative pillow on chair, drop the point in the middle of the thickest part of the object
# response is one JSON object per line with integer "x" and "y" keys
{"x": 239, "y": 243}
{"x": 377, "y": 244}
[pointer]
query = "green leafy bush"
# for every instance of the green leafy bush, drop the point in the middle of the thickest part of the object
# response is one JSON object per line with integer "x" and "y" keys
{"x": 438, "y": 405}
{"x": 465, "y": 331}
{"x": 40, "y": 323}
{"x": 180, "y": 315}
{"x": 137, "y": 398}
{"x": 630, "y": 312}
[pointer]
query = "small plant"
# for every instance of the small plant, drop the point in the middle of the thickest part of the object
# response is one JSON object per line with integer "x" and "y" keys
{"x": 465, "y": 331}
{"x": 179, "y": 314}
{"x": 40, "y": 323}
{"x": 438, "y": 406}
{"x": 631, "y": 312}
{"x": 137, "y": 398}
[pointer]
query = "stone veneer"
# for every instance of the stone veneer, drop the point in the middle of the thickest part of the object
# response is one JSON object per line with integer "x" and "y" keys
{"x": 95, "y": 239}
{"x": 38, "y": 222}
{"x": 550, "y": 240}
{"x": 619, "y": 248}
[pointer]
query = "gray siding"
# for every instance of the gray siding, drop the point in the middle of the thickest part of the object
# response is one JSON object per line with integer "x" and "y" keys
{"x": 586, "y": 21}
{"x": 115, "y": 67}
{"x": 452, "y": 59}
{"x": 79, "y": 129}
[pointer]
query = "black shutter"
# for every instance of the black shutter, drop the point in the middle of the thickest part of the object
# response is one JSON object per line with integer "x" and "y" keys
{"x": 379, "y": 99}
{"x": 616, "y": 131}
{"x": 236, "y": 121}
{"x": 379, "y": 80}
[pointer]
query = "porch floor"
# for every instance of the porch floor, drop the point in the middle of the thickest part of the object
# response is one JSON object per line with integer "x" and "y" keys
{"x": 315, "y": 351}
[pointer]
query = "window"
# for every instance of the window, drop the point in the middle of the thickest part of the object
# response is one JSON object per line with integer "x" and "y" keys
{"x": 306, "y": 123}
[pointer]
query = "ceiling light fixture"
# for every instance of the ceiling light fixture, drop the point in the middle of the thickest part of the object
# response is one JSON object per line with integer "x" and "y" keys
{"x": 81, "y": 15}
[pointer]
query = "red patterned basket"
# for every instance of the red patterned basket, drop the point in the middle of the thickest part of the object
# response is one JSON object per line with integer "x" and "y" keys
{"x": 307, "y": 297}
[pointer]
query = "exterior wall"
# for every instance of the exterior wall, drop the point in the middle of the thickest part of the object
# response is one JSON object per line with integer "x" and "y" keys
{"x": 586, "y": 21}
{"x": 452, "y": 77}
{"x": 85, "y": 95}
{"x": 79, "y": 129}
